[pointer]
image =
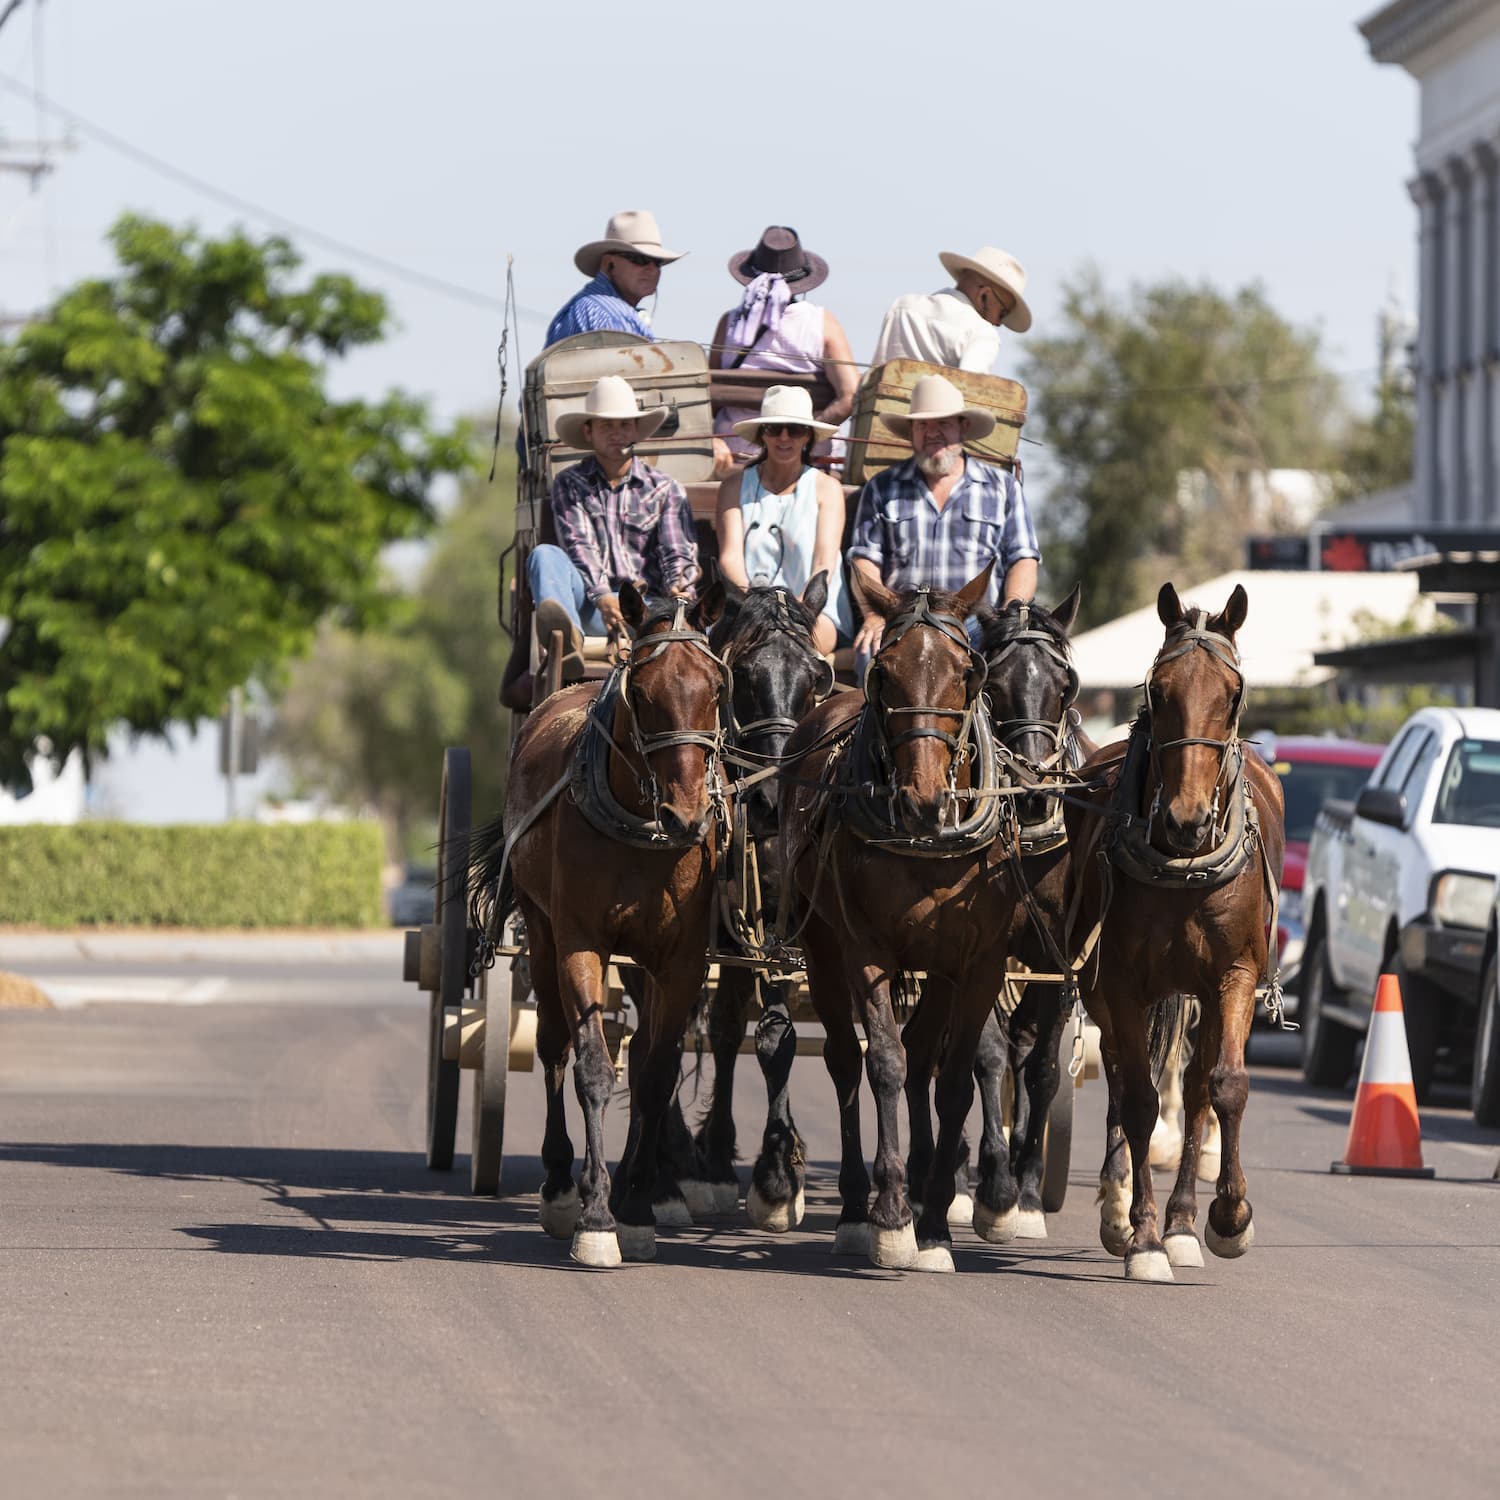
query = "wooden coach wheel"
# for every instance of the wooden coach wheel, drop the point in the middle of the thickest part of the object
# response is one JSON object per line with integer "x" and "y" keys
{"x": 1057, "y": 1141}
{"x": 450, "y": 914}
{"x": 488, "y": 1146}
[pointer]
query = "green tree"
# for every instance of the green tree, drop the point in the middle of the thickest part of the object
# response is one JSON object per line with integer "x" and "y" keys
{"x": 1135, "y": 397}
{"x": 181, "y": 502}
{"x": 1378, "y": 451}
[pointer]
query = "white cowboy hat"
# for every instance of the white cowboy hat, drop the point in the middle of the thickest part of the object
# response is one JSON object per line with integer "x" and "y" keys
{"x": 1005, "y": 271}
{"x": 934, "y": 397}
{"x": 783, "y": 403}
{"x": 632, "y": 232}
{"x": 610, "y": 400}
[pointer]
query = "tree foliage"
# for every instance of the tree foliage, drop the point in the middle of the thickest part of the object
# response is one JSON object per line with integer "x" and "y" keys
{"x": 181, "y": 501}
{"x": 1135, "y": 393}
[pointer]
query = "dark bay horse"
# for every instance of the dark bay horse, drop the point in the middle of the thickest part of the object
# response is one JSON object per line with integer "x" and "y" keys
{"x": 615, "y": 807}
{"x": 764, "y": 637}
{"x": 1030, "y": 688}
{"x": 1176, "y": 863}
{"x": 891, "y": 861}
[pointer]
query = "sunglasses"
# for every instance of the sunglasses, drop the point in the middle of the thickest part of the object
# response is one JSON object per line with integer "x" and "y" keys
{"x": 783, "y": 429}
{"x": 637, "y": 260}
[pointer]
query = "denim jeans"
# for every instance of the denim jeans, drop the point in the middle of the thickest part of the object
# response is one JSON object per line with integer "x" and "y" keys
{"x": 551, "y": 575}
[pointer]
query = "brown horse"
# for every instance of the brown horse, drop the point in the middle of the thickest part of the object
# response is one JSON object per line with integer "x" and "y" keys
{"x": 616, "y": 807}
{"x": 1176, "y": 864}
{"x": 892, "y": 871}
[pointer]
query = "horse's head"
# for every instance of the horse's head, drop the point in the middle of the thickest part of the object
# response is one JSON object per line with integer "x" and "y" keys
{"x": 1031, "y": 685}
{"x": 1194, "y": 693}
{"x": 921, "y": 688}
{"x": 765, "y": 639}
{"x": 676, "y": 690}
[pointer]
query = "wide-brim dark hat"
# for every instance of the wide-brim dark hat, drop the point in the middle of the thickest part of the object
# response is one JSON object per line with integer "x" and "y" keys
{"x": 780, "y": 253}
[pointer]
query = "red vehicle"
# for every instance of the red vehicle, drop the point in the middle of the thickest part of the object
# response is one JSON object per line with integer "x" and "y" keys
{"x": 1313, "y": 769}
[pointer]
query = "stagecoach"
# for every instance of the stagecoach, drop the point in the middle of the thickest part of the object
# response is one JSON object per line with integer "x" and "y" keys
{"x": 481, "y": 1016}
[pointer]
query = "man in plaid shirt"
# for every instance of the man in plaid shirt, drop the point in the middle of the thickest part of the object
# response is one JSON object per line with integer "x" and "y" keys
{"x": 941, "y": 517}
{"x": 616, "y": 519}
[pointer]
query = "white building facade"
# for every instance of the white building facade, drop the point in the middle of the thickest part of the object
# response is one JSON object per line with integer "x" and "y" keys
{"x": 1452, "y": 49}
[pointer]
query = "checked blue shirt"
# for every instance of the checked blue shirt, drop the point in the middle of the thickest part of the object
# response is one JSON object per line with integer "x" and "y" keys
{"x": 597, "y": 307}
{"x": 899, "y": 528}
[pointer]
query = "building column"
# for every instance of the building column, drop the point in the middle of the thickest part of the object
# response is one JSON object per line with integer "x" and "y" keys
{"x": 1480, "y": 416}
{"x": 1457, "y": 338}
{"x": 1427, "y": 194}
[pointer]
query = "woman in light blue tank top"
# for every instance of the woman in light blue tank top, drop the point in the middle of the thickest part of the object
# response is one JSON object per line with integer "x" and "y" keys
{"x": 781, "y": 521}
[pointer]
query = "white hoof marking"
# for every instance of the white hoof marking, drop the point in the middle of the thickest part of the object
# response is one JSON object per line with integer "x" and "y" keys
{"x": 698, "y": 1195}
{"x": 1208, "y": 1166}
{"x": 893, "y": 1249}
{"x": 593, "y": 1247}
{"x": 1184, "y": 1250}
{"x": 961, "y": 1211}
{"x": 774, "y": 1218}
{"x": 671, "y": 1213}
{"x": 852, "y": 1239}
{"x": 997, "y": 1228}
{"x": 559, "y": 1215}
{"x": 637, "y": 1241}
{"x": 726, "y": 1197}
{"x": 1234, "y": 1246}
{"x": 1166, "y": 1146}
{"x": 1148, "y": 1265}
{"x": 1031, "y": 1224}
{"x": 937, "y": 1258}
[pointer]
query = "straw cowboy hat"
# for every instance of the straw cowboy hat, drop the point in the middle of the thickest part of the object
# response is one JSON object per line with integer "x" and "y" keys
{"x": 632, "y": 232}
{"x": 783, "y": 403}
{"x": 932, "y": 398}
{"x": 1005, "y": 271}
{"x": 611, "y": 400}
{"x": 780, "y": 253}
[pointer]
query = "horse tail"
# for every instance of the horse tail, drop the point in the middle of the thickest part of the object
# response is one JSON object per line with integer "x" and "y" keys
{"x": 1169, "y": 1022}
{"x": 492, "y": 889}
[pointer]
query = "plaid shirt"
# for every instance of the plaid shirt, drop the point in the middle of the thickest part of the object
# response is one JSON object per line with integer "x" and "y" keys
{"x": 598, "y": 306}
{"x": 916, "y": 545}
{"x": 639, "y": 528}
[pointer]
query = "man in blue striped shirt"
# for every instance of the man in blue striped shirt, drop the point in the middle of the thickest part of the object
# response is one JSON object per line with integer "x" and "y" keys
{"x": 939, "y": 518}
{"x": 626, "y": 267}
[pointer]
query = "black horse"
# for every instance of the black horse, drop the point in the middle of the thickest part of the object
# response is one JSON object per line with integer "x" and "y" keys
{"x": 765, "y": 638}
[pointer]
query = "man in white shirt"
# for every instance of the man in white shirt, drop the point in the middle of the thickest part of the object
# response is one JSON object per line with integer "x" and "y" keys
{"x": 959, "y": 326}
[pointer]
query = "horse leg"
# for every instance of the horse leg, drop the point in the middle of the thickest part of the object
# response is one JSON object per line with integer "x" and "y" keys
{"x": 1114, "y": 1175}
{"x": 1179, "y": 1235}
{"x": 580, "y": 973}
{"x": 776, "y": 1200}
{"x": 996, "y": 1198}
{"x": 922, "y": 1036}
{"x": 1042, "y": 1076}
{"x": 828, "y": 988}
{"x": 893, "y": 1240}
{"x": 1231, "y": 1228}
{"x": 1166, "y": 1134}
{"x": 678, "y": 1186}
{"x": 1146, "y": 1257}
{"x": 559, "y": 1197}
{"x": 715, "y": 1137}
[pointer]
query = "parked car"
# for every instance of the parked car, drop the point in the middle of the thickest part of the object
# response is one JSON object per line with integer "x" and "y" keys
{"x": 1403, "y": 881}
{"x": 1484, "y": 1085}
{"x": 410, "y": 903}
{"x": 1313, "y": 769}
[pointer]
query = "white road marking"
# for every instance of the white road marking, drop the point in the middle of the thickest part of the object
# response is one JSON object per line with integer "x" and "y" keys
{"x": 133, "y": 989}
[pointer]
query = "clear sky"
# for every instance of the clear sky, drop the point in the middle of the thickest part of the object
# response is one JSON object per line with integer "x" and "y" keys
{"x": 1225, "y": 141}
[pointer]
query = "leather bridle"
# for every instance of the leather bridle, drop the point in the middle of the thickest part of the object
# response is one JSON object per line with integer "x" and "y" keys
{"x": 1008, "y": 731}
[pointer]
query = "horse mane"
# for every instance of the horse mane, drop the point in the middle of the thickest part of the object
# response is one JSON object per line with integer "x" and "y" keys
{"x": 657, "y": 611}
{"x": 763, "y": 613}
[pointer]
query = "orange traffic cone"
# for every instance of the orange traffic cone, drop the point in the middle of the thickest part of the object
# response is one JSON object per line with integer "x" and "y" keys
{"x": 1385, "y": 1135}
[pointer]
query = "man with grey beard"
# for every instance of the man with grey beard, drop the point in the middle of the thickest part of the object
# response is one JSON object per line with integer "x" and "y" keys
{"x": 938, "y": 519}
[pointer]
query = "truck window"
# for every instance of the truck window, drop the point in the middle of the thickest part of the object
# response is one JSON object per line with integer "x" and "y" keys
{"x": 1403, "y": 757}
{"x": 1470, "y": 789}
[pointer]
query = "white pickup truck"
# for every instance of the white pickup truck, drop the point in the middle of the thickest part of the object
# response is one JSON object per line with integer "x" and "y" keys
{"x": 1402, "y": 881}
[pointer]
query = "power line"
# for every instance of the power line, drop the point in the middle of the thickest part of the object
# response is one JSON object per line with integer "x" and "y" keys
{"x": 207, "y": 189}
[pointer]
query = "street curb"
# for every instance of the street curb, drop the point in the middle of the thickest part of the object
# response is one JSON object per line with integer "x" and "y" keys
{"x": 158, "y": 946}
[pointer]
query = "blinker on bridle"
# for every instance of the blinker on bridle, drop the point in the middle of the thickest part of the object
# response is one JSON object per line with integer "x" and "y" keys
{"x": 1015, "y": 729}
{"x": 775, "y": 724}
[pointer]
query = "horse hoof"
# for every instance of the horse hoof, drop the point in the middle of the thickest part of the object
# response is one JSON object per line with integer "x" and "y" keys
{"x": 1229, "y": 1247}
{"x": 961, "y": 1211}
{"x": 1148, "y": 1265}
{"x": 1183, "y": 1249}
{"x": 995, "y": 1227}
{"x": 726, "y": 1197}
{"x": 936, "y": 1257}
{"x": 671, "y": 1213}
{"x": 637, "y": 1241}
{"x": 597, "y": 1248}
{"x": 559, "y": 1215}
{"x": 774, "y": 1218}
{"x": 1208, "y": 1166}
{"x": 893, "y": 1249}
{"x": 852, "y": 1238}
{"x": 1031, "y": 1224}
{"x": 1166, "y": 1146}
{"x": 1114, "y": 1237}
{"x": 698, "y": 1195}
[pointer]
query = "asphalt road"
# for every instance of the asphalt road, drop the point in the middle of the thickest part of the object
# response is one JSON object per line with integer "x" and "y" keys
{"x": 227, "y": 1273}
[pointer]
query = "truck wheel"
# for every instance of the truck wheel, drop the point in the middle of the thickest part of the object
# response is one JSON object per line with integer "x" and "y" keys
{"x": 1485, "y": 1091}
{"x": 1327, "y": 1047}
{"x": 1425, "y": 1007}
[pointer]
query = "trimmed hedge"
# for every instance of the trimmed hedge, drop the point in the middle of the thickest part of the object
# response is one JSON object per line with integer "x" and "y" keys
{"x": 227, "y": 875}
